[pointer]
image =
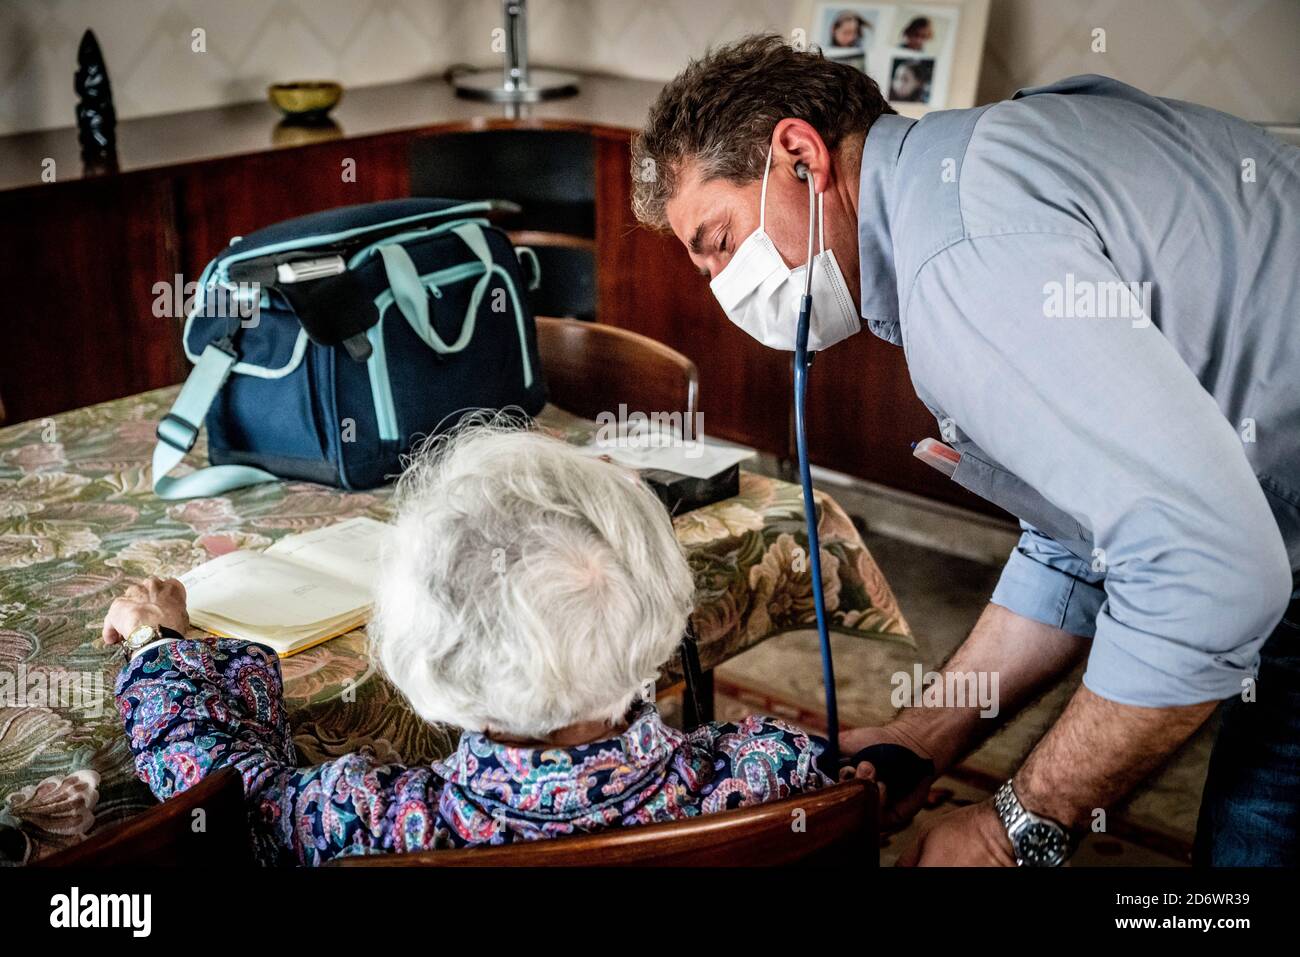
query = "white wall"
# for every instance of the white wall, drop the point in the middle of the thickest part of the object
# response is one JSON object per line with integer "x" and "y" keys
{"x": 1242, "y": 56}
{"x": 1236, "y": 55}
{"x": 250, "y": 43}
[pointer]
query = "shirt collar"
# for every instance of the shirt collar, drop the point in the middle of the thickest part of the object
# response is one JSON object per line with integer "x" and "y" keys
{"x": 875, "y": 244}
{"x": 558, "y": 782}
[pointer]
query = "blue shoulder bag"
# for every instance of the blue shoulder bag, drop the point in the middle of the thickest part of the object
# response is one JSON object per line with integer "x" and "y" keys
{"x": 326, "y": 346}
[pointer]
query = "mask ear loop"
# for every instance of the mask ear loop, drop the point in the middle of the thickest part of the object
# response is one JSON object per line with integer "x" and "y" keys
{"x": 762, "y": 199}
{"x": 821, "y": 223}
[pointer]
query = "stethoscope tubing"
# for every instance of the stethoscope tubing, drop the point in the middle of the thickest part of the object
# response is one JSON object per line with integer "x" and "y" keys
{"x": 802, "y": 362}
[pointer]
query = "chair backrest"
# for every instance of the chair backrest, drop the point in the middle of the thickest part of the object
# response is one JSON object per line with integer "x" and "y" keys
{"x": 836, "y": 825}
{"x": 592, "y": 368}
{"x": 567, "y": 266}
{"x": 206, "y": 825}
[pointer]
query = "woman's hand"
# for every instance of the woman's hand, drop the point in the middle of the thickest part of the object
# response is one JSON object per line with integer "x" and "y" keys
{"x": 154, "y": 601}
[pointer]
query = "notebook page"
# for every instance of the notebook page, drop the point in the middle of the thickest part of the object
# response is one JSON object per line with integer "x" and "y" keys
{"x": 268, "y": 592}
{"x": 348, "y": 550}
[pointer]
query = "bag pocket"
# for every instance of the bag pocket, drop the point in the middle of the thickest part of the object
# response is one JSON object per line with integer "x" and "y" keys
{"x": 443, "y": 346}
{"x": 274, "y": 422}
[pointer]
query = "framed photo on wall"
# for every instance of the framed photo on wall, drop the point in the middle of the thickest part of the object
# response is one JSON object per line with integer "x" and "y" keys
{"x": 925, "y": 56}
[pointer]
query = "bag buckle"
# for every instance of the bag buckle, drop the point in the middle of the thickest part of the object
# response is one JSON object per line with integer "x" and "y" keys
{"x": 191, "y": 437}
{"x": 226, "y": 344}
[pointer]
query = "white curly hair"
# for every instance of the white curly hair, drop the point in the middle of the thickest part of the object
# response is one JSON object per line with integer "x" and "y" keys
{"x": 525, "y": 585}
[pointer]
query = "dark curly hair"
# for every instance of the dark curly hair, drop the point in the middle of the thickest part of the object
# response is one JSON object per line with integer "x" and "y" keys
{"x": 720, "y": 112}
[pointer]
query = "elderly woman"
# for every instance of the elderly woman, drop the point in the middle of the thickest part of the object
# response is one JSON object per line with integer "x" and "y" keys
{"x": 530, "y": 595}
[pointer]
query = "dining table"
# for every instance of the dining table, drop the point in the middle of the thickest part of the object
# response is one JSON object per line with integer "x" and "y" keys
{"x": 79, "y": 521}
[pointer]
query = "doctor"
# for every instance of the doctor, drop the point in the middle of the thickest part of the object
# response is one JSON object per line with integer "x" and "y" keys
{"x": 1098, "y": 296}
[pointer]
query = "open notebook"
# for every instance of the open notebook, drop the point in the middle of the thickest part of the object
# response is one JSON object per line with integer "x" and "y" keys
{"x": 301, "y": 591}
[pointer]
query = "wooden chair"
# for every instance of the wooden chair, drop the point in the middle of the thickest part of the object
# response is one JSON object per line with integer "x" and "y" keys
{"x": 835, "y": 826}
{"x": 592, "y": 368}
{"x": 168, "y": 835}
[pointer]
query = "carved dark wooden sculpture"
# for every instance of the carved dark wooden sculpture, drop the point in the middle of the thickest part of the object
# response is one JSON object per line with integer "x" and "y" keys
{"x": 96, "y": 118}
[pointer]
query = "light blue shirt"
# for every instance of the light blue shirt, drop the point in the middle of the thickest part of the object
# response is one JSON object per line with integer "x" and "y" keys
{"x": 1148, "y": 436}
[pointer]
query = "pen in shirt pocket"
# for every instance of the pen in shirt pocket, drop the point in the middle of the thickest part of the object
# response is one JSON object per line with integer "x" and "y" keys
{"x": 937, "y": 455}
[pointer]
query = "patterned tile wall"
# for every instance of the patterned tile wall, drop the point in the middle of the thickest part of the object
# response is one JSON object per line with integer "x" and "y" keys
{"x": 1236, "y": 55}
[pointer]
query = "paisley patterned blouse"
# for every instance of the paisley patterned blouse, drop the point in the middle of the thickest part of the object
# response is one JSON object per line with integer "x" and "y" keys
{"x": 191, "y": 707}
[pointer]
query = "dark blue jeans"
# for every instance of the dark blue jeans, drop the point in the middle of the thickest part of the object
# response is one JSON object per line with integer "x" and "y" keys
{"x": 1250, "y": 811}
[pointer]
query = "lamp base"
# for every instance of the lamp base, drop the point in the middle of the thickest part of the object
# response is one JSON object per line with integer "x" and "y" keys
{"x": 489, "y": 85}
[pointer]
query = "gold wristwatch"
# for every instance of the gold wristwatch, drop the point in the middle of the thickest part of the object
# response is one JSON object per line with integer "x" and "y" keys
{"x": 146, "y": 635}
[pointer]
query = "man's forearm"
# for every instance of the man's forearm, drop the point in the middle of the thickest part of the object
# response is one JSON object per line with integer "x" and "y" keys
{"x": 1025, "y": 654}
{"x": 1098, "y": 751}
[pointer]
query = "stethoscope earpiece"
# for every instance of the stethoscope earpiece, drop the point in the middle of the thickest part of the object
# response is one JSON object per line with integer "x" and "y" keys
{"x": 814, "y": 219}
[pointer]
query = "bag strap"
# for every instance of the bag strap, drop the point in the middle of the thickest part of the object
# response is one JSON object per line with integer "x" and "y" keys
{"x": 472, "y": 234}
{"x": 179, "y": 430}
{"x": 412, "y": 301}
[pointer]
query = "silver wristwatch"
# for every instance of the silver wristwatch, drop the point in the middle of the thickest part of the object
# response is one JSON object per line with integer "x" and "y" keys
{"x": 1036, "y": 841}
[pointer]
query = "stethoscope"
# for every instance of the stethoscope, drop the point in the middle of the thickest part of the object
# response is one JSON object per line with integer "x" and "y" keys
{"x": 802, "y": 362}
{"x": 899, "y": 766}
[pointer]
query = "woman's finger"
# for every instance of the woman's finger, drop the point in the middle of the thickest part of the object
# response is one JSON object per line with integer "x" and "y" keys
{"x": 109, "y": 634}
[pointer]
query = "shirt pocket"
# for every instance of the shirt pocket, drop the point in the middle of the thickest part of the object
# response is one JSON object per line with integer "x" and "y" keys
{"x": 1005, "y": 489}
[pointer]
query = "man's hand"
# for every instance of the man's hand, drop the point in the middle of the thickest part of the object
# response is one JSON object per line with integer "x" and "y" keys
{"x": 896, "y": 810}
{"x": 154, "y": 601}
{"x": 1026, "y": 655}
{"x": 968, "y": 837}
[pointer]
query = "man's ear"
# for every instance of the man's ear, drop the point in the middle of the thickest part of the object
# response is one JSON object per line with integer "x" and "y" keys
{"x": 795, "y": 141}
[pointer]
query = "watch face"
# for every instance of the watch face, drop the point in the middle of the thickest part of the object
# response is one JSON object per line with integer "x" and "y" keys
{"x": 141, "y": 635}
{"x": 1041, "y": 845}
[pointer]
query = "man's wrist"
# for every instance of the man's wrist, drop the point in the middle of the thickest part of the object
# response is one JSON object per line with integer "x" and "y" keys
{"x": 935, "y": 733}
{"x": 1045, "y": 802}
{"x": 996, "y": 837}
{"x": 1036, "y": 840}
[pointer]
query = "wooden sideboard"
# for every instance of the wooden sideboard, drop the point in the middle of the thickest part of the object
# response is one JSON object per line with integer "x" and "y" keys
{"x": 81, "y": 255}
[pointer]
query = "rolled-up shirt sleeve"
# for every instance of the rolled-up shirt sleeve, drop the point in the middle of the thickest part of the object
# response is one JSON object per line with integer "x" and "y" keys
{"x": 1105, "y": 420}
{"x": 1045, "y": 582}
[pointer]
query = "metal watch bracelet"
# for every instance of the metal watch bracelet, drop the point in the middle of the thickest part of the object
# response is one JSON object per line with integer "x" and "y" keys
{"x": 1036, "y": 841}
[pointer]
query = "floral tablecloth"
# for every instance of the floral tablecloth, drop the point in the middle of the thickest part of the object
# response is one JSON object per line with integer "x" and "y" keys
{"x": 78, "y": 521}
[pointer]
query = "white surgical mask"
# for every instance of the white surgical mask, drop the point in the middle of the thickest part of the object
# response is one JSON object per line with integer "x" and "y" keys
{"x": 761, "y": 294}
